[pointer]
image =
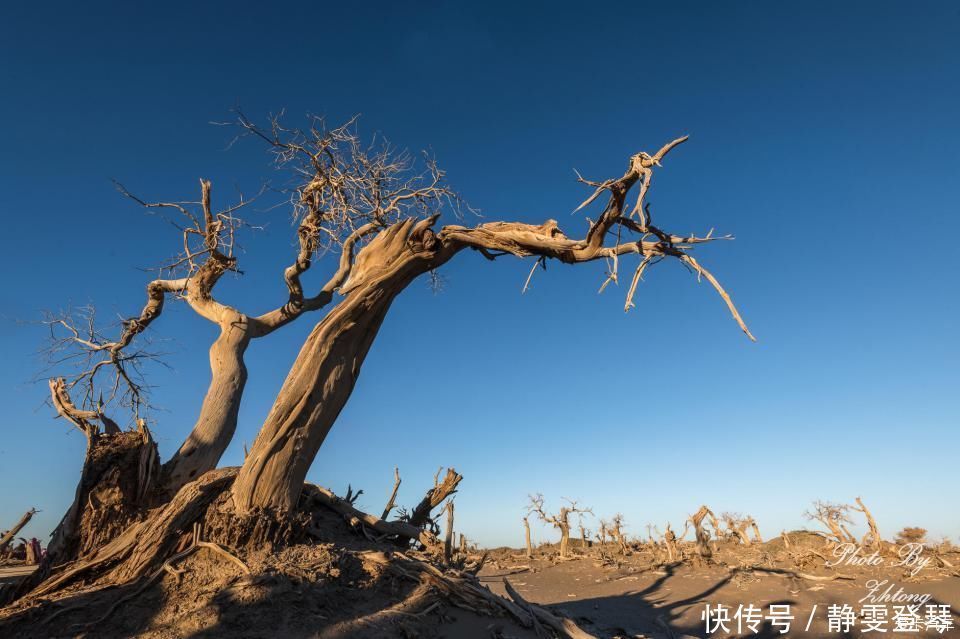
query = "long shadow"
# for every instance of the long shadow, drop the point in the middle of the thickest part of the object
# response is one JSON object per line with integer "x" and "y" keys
{"x": 266, "y": 605}
{"x": 647, "y": 611}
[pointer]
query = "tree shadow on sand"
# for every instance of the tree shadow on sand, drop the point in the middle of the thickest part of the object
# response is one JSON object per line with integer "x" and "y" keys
{"x": 648, "y": 612}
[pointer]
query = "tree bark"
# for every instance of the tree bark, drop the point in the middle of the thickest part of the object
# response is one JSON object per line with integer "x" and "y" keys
{"x": 874, "y": 534}
{"x": 215, "y": 426}
{"x": 564, "y": 539}
{"x": 434, "y": 497}
{"x": 448, "y": 537}
{"x": 526, "y": 530}
{"x": 393, "y": 495}
{"x": 12, "y": 533}
{"x": 119, "y": 473}
{"x": 326, "y": 370}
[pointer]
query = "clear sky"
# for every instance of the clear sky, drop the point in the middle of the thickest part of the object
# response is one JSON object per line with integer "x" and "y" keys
{"x": 823, "y": 135}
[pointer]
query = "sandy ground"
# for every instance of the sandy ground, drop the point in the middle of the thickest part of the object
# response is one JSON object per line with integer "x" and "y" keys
{"x": 632, "y": 599}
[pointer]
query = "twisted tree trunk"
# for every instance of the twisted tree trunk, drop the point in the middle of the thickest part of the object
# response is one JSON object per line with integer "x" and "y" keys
{"x": 325, "y": 372}
{"x": 217, "y": 422}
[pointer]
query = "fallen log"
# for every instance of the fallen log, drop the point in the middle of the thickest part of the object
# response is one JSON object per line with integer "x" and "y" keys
{"x": 434, "y": 497}
{"x": 392, "y": 528}
{"x": 12, "y": 533}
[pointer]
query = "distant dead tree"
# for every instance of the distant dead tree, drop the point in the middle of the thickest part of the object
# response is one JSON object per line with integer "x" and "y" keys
{"x": 912, "y": 535}
{"x": 872, "y": 538}
{"x": 616, "y": 529}
{"x": 526, "y": 531}
{"x": 834, "y": 517}
{"x": 737, "y": 526}
{"x": 560, "y": 521}
{"x": 705, "y": 553}
{"x": 756, "y": 531}
{"x": 670, "y": 542}
{"x": 375, "y": 212}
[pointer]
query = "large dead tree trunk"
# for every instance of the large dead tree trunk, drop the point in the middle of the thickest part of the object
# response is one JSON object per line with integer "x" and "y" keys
{"x": 325, "y": 372}
{"x": 119, "y": 474}
{"x": 215, "y": 426}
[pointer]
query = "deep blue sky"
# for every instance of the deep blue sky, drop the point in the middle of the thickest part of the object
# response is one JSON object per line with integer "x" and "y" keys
{"x": 823, "y": 135}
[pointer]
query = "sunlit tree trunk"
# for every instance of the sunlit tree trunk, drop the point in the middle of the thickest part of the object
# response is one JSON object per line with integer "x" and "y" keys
{"x": 324, "y": 374}
{"x": 217, "y": 422}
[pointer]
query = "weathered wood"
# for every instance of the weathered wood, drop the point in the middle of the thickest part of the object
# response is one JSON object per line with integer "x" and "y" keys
{"x": 448, "y": 537}
{"x": 434, "y": 497}
{"x": 872, "y": 538}
{"x": 11, "y": 534}
{"x": 526, "y": 530}
{"x": 393, "y": 495}
{"x": 393, "y": 528}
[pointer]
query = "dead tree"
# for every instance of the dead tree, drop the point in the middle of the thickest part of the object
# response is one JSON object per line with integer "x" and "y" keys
{"x": 756, "y": 531}
{"x": 11, "y": 534}
{"x": 834, "y": 517}
{"x": 872, "y": 538}
{"x": 420, "y": 516}
{"x": 448, "y": 537}
{"x": 560, "y": 521}
{"x": 376, "y": 212}
{"x": 702, "y": 537}
{"x": 583, "y": 537}
{"x": 393, "y": 495}
{"x": 786, "y": 539}
{"x": 319, "y": 383}
{"x": 912, "y": 535}
{"x": 737, "y": 526}
{"x": 526, "y": 532}
{"x": 616, "y": 525}
{"x": 670, "y": 541}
